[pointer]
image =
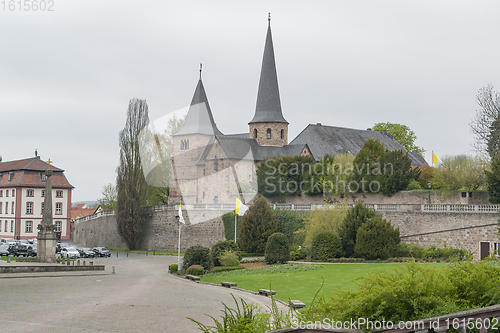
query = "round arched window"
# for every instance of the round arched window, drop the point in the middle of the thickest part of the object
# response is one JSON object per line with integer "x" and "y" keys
{"x": 255, "y": 133}
{"x": 282, "y": 133}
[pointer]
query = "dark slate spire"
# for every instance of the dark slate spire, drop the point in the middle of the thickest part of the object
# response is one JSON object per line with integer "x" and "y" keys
{"x": 268, "y": 109}
{"x": 199, "y": 119}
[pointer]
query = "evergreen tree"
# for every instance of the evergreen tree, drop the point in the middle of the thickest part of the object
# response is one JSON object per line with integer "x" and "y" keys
{"x": 355, "y": 218}
{"x": 396, "y": 172}
{"x": 258, "y": 224}
{"x": 493, "y": 179}
{"x": 377, "y": 239}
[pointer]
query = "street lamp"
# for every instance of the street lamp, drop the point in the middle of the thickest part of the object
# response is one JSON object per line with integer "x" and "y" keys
{"x": 429, "y": 186}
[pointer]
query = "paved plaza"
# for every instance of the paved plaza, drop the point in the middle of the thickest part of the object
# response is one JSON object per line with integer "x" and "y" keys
{"x": 141, "y": 297}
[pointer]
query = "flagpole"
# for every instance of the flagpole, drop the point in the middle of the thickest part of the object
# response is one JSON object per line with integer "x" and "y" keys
{"x": 179, "y": 248}
{"x": 235, "y": 219}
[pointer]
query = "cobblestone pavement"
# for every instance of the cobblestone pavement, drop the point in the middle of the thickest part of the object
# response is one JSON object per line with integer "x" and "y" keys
{"x": 141, "y": 297}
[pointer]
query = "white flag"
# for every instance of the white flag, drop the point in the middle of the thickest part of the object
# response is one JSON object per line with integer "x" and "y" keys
{"x": 240, "y": 207}
{"x": 181, "y": 218}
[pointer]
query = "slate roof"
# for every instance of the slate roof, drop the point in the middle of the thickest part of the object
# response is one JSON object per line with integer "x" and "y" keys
{"x": 238, "y": 148}
{"x": 199, "y": 119}
{"x": 34, "y": 164}
{"x": 268, "y": 109}
{"x": 332, "y": 140}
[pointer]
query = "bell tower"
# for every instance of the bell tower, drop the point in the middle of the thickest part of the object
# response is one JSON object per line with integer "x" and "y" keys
{"x": 268, "y": 125}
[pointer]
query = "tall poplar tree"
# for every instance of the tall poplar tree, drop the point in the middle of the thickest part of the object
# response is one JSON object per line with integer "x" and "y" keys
{"x": 133, "y": 191}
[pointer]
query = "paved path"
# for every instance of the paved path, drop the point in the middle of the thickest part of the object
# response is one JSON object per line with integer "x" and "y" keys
{"x": 141, "y": 297}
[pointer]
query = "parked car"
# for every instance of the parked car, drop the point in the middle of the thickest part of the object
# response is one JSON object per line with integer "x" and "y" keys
{"x": 4, "y": 250}
{"x": 8, "y": 241}
{"x": 69, "y": 252}
{"x": 34, "y": 249}
{"x": 101, "y": 252}
{"x": 85, "y": 252}
{"x": 23, "y": 242}
{"x": 59, "y": 246}
{"x": 20, "y": 250}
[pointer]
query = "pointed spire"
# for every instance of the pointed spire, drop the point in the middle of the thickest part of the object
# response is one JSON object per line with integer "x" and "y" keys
{"x": 268, "y": 107}
{"x": 200, "y": 70}
{"x": 199, "y": 119}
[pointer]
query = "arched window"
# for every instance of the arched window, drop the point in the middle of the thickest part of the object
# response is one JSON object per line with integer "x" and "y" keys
{"x": 268, "y": 133}
{"x": 255, "y": 133}
{"x": 282, "y": 132}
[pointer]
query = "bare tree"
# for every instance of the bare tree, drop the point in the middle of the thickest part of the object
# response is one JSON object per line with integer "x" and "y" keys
{"x": 486, "y": 124}
{"x": 133, "y": 191}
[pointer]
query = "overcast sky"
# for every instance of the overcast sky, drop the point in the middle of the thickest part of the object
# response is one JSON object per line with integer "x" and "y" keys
{"x": 66, "y": 76}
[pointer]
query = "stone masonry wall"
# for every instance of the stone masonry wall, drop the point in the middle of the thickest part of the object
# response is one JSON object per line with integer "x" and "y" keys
{"x": 441, "y": 228}
{"x": 103, "y": 231}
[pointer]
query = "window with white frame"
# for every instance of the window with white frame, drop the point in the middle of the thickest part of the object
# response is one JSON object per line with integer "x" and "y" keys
{"x": 1, "y": 207}
{"x": 29, "y": 208}
{"x": 12, "y": 208}
{"x": 58, "y": 226}
{"x": 11, "y": 226}
{"x": 5, "y": 225}
{"x": 43, "y": 193}
{"x": 42, "y": 207}
{"x": 6, "y": 193}
{"x": 29, "y": 226}
{"x": 30, "y": 193}
{"x": 1, "y": 193}
{"x": 58, "y": 208}
{"x": 59, "y": 194}
{"x": 13, "y": 193}
{"x": 6, "y": 208}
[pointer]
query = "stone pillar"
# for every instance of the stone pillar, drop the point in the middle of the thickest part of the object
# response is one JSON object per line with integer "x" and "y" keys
{"x": 47, "y": 239}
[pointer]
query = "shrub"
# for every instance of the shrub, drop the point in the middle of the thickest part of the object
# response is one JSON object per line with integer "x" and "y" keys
{"x": 229, "y": 258}
{"x": 220, "y": 247}
{"x": 277, "y": 249}
{"x": 413, "y": 185}
{"x": 228, "y": 220}
{"x": 355, "y": 218}
{"x": 377, "y": 239}
{"x": 300, "y": 254}
{"x": 289, "y": 222}
{"x": 325, "y": 246}
{"x": 198, "y": 255}
{"x": 324, "y": 220}
{"x": 173, "y": 268}
{"x": 195, "y": 270}
{"x": 258, "y": 224}
{"x": 226, "y": 269}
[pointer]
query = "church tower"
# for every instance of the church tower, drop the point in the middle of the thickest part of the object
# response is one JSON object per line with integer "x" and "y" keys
{"x": 268, "y": 126}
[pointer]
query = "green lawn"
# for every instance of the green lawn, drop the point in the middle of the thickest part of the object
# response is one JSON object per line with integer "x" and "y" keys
{"x": 294, "y": 282}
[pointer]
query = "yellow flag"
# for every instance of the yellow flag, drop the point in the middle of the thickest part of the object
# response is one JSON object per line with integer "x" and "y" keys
{"x": 240, "y": 207}
{"x": 434, "y": 158}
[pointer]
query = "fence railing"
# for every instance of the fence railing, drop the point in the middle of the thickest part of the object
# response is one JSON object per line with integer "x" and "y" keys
{"x": 433, "y": 208}
{"x": 483, "y": 319}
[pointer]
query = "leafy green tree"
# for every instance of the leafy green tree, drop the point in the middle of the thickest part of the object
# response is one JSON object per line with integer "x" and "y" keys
{"x": 325, "y": 246}
{"x": 258, "y": 224}
{"x": 324, "y": 219}
{"x": 367, "y": 167}
{"x": 460, "y": 173}
{"x": 402, "y": 133}
{"x": 159, "y": 196}
{"x": 133, "y": 190}
{"x": 277, "y": 249}
{"x": 348, "y": 229}
{"x": 426, "y": 175}
{"x": 228, "y": 220}
{"x": 224, "y": 246}
{"x": 376, "y": 239}
{"x": 109, "y": 197}
{"x": 282, "y": 175}
{"x": 485, "y": 125}
{"x": 493, "y": 180}
{"x": 330, "y": 175}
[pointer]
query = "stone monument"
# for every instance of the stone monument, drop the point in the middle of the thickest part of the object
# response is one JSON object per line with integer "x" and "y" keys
{"x": 47, "y": 236}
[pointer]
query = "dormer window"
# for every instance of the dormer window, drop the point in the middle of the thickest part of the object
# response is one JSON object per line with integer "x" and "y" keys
{"x": 43, "y": 177}
{"x": 11, "y": 175}
{"x": 269, "y": 134}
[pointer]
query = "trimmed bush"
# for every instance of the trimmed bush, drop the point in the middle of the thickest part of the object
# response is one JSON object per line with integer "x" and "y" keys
{"x": 173, "y": 268}
{"x": 229, "y": 258}
{"x": 300, "y": 254}
{"x": 226, "y": 269}
{"x": 198, "y": 255}
{"x": 326, "y": 246}
{"x": 220, "y": 247}
{"x": 195, "y": 270}
{"x": 277, "y": 249}
{"x": 377, "y": 239}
